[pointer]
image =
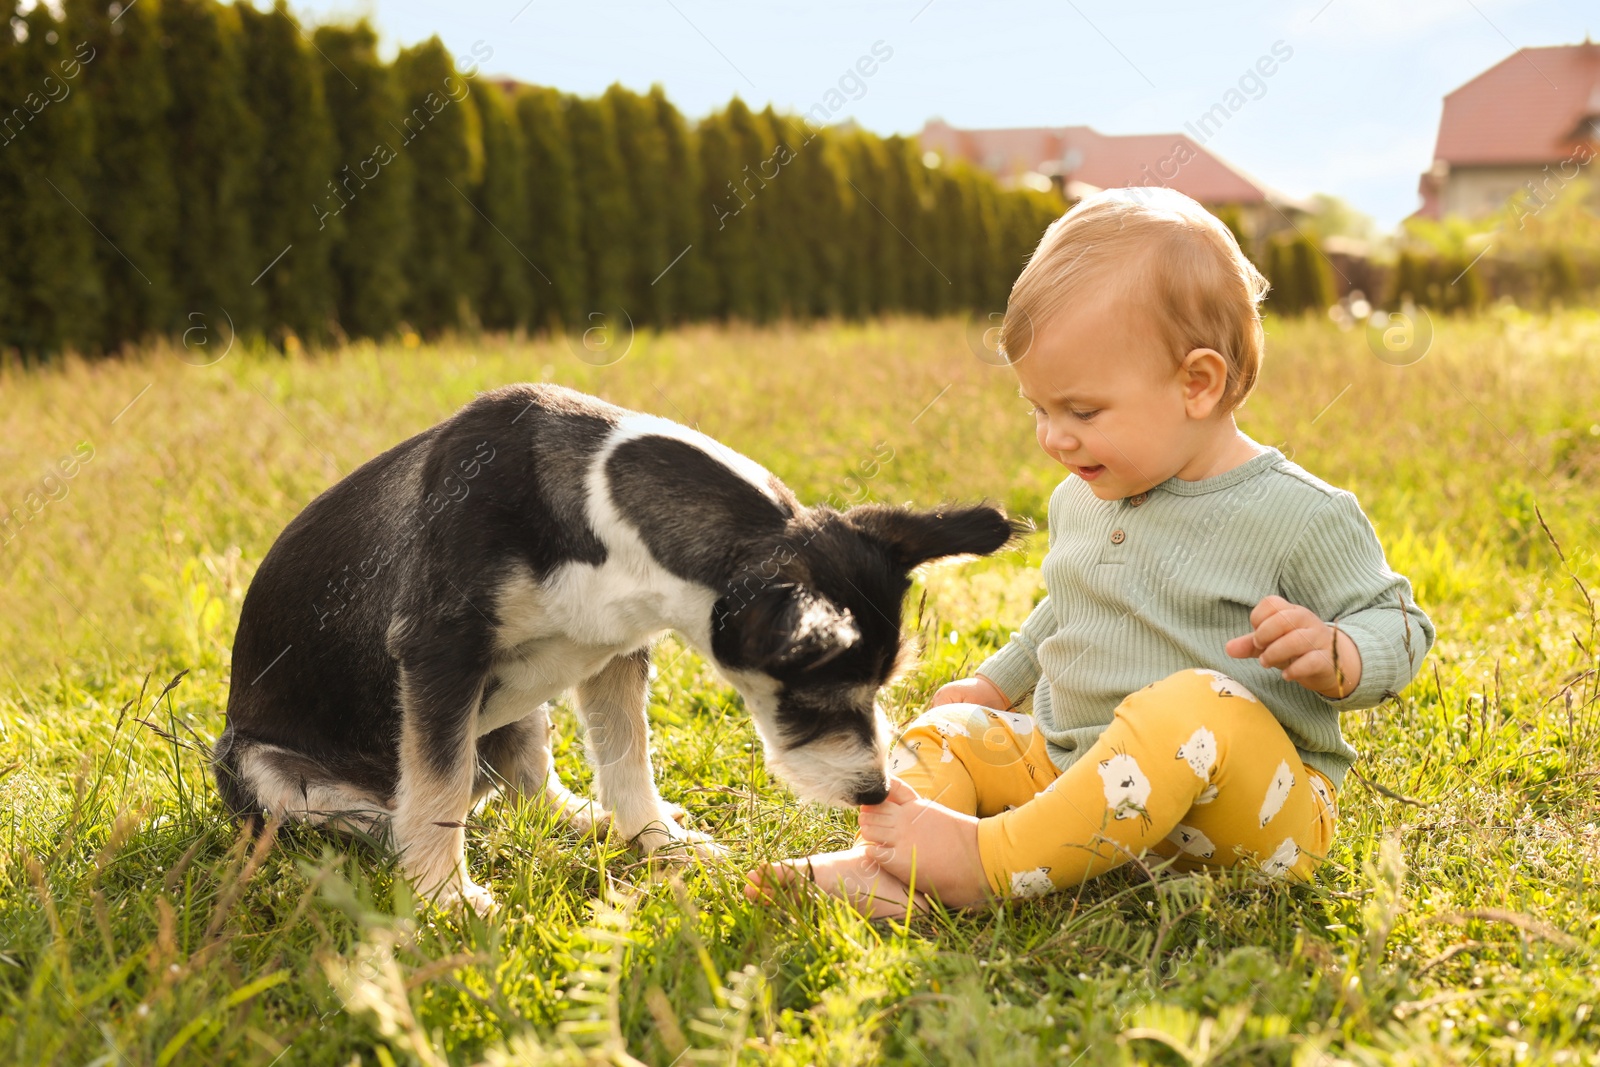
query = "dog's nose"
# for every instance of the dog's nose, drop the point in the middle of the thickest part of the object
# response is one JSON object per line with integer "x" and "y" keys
{"x": 876, "y": 795}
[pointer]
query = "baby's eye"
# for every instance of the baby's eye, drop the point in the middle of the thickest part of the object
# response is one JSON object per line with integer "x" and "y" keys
{"x": 1086, "y": 415}
{"x": 1035, "y": 410}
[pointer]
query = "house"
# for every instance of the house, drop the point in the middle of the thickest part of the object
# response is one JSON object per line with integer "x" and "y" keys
{"x": 1526, "y": 125}
{"x": 1079, "y": 160}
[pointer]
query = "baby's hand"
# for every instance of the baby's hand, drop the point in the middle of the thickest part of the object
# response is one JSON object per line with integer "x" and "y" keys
{"x": 975, "y": 690}
{"x": 1292, "y": 637}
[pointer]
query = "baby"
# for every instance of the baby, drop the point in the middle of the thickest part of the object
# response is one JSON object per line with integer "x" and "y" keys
{"x": 1211, "y": 606}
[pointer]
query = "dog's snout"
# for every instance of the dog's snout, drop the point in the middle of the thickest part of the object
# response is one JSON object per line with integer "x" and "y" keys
{"x": 875, "y": 795}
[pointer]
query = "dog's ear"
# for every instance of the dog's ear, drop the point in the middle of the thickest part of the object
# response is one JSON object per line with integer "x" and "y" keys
{"x": 783, "y": 626}
{"x": 915, "y": 536}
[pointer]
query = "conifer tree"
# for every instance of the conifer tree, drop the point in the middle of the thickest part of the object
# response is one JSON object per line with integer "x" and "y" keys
{"x": 55, "y": 295}
{"x": 1470, "y": 286}
{"x": 756, "y": 145}
{"x": 818, "y": 176}
{"x": 10, "y": 181}
{"x": 440, "y": 130}
{"x": 500, "y": 230}
{"x": 14, "y": 121}
{"x": 940, "y": 214}
{"x": 284, "y": 93}
{"x": 1301, "y": 278}
{"x": 872, "y": 266}
{"x": 130, "y": 189}
{"x": 908, "y": 211}
{"x": 734, "y": 143}
{"x": 1015, "y": 221}
{"x": 1024, "y": 216}
{"x": 683, "y": 286}
{"x": 1233, "y": 218}
{"x": 1314, "y": 275}
{"x": 1457, "y": 282}
{"x": 1561, "y": 283}
{"x": 1409, "y": 280}
{"x": 1284, "y": 297}
{"x": 365, "y": 206}
{"x": 956, "y": 236}
{"x": 216, "y": 146}
{"x": 785, "y": 218}
{"x": 605, "y": 214}
{"x": 554, "y": 241}
{"x": 726, "y": 237}
{"x": 643, "y": 150}
{"x": 989, "y": 284}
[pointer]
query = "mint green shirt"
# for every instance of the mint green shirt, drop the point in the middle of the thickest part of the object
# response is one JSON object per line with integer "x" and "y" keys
{"x": 1139, "y": 588}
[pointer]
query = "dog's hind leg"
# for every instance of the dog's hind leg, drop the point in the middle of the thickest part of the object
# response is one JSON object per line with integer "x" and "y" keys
{"x": 440, "y": 692}
{"x": 517, "y": 759}
{"x": 613, "y": 705}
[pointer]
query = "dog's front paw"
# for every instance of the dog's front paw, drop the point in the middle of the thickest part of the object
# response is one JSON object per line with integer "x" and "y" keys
{"x": 586, "y": 817}
{"x": 693, "y": 843}
{"x": 666, "y": 838}
{"x": 479, "y": 899}
{"x": 462, "y": 892}
{"x": 580, "y": 813}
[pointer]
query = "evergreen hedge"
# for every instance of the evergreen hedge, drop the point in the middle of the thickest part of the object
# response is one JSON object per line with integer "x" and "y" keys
{"x": 182, "y": 158}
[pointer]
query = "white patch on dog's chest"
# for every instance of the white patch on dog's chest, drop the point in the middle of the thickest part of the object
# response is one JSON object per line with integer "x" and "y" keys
{"x": 550, "y": 667}
{"x": 554, "y": 634}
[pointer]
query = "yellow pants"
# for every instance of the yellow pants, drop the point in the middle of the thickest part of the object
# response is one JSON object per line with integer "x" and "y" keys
{"x": 1193, "y": 768}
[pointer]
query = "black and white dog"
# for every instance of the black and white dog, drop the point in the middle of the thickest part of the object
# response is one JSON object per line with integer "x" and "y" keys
{"x": 401, "y": 639}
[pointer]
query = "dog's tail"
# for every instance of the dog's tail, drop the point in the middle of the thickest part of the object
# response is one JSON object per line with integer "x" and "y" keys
{"x": 237, "y": 797}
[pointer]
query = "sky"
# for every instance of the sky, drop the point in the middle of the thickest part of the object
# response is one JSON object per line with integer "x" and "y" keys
{"x": 1352, "y": 111}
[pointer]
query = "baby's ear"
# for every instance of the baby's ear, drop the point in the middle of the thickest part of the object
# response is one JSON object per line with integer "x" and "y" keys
{"x": 914, "y": 536}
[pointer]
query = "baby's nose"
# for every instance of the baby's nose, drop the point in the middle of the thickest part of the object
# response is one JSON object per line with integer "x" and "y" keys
{"x": 1060, "y": 442}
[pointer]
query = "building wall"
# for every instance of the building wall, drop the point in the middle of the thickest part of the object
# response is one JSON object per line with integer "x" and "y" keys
{"x": 1478, "y": 191}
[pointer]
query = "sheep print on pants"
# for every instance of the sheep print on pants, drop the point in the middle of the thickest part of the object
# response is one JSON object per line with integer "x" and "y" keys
{"x": 1193, "y": 768}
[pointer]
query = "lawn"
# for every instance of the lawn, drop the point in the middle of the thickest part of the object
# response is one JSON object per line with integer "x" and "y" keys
{"x": 1458, "y": 921}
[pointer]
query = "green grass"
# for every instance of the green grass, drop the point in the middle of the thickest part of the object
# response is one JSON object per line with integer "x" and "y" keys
{"x": 1457, "y": 922}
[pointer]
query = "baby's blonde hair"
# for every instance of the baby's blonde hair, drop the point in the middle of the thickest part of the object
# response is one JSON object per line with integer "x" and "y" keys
{"x": 1163, "y": 249}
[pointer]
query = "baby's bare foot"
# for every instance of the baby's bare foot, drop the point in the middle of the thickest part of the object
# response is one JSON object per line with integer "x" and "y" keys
{"x": 922, "y": 843}
{"x": 850, "y": 875}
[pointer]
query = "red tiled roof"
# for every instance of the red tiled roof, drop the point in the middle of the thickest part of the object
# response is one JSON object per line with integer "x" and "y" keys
{"x": 1107, "y": 161}
{"x": 1525, "y": 109}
